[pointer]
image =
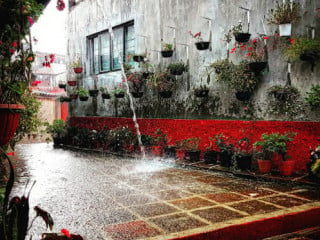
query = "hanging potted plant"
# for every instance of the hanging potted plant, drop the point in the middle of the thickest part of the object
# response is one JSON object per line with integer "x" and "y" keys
{"x": 257, "y": 54}
{"x": 118, "y": 92}
{"x": 304, "y": 49}
{"x": 200, "y": 44}
{"x": 65, "y": 99}
{"x": 285, "y": 93}
{"x": 313, "y": 97}
{"x": 177, "y": 68}
{"x": 202, "y": 91}
{"x": 139, "y": 57}
{"x": 284, "y": 15}
{"x": 163, "y": 82}
{"x": 83, "y": 94}
{"x": 77, "y": 66}
{"x": 93, "y": 92}
{"x": 243, "y": 81}
{"x": 136, "y": 84}
{"x": 239, "y": 34}
{"x": 167, "y": 50}
{"x": 104, "y": 93}
{"x": 62, "y": 85}
{"x": 72, "y": 83}
{"x": 74, "y": 94}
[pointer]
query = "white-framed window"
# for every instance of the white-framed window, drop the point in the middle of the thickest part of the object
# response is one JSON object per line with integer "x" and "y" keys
{"x": 102, "y": 50}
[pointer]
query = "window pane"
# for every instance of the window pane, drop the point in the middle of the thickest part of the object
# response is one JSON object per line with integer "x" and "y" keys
{"x": 105, "y": 52}
{"x": 96, "y": 55}
{"x": 117, "y": 41}
{"x": 129, "y": 44}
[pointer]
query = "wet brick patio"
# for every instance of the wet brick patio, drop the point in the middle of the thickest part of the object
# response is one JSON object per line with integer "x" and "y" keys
{"x": 113, "y": 198}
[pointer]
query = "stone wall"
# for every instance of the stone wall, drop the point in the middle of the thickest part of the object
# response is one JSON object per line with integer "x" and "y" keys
{"x": 152, "y": 18}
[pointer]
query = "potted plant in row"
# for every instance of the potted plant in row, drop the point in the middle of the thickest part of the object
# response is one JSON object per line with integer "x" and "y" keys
{"x": 269, "y": 147}
{"x": 93, "y": 92}
{"x": 57, "y": 130}
{"x": 159, "y": 142}
{"x": 177, "y": 68}
{"x": 74, "y": 94}
{"x": 243, "y": 154}
{"x": 313, "y": 97}
{"x": 257, "y": 56}
{"x": 304, "y": 49}
{"x": 83, "y": 94}
{"x": 225, "y": 149}
{"x": 192, "y": 149}
{"x": 65, "y": 99}
{"x": 284, "y": 15}
{"x": 181, "y": 149}
{"x": 62, "y": 85}
{"x": 210, "y": 155}
{"x": 240, "y": 35}
{"x": 167, "y": 50}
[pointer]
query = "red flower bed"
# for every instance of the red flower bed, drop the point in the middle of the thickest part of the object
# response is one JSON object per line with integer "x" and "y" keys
{"x": 176, "y": 129}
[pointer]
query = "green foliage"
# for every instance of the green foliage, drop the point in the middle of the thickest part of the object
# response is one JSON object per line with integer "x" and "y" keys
{"x": 313, "y": 97}
{"x": 159, "y": 138}
{"x": 315, "y": 168}
{"x": 177, "y": 68}
{"x": 192, "y": 143}
{"x": 274, "y": 143}
{"x": 167, "y": 46}
{"x": 223, "y": 69}
{"x": 117, "y": 90}
{"x": 284, "y": 93}
{"x": 284, "y": 13}
{"x": 234, "y": 29}
{"x": 161, "y": 80}
{"x": 243, "y": 80}
{"x": 76, "y": 63}
{"x": 223, "y": 143}
{"x": 57, "y": 128}
{"x": 120, "y": 137}
{"x": 302, "y": 46}
{"x": 83, "y": 92}
{"x": 29, "y": 121}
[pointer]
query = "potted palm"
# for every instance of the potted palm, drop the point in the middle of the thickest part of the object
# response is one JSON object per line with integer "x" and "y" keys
{"x": 284, "y": 15}
{"x": 83, "y": 94}
{"x": 167, "y": 50}
{"x": 313, "y": 97}
{"x": 269, "y": 147}
{"x": 192, "y": 149}
{"x": 304, "y": 49}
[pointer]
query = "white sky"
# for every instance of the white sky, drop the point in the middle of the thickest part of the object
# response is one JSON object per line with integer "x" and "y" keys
{"x": 50, "y": 30}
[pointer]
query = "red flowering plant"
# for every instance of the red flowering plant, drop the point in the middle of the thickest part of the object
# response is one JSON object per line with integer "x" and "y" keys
{"x": 162, "y": 81}
{"x": 257, "y": 50}
{"x": 196, "y": 36}
{"x": 15, "y": 59}
{"x": 136, "y": 81}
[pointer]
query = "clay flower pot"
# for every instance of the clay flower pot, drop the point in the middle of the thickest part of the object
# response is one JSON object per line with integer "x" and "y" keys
{"x": 78, "y": 69}
{"x": 286, "y": 168}
{"x": 180, "y": 154}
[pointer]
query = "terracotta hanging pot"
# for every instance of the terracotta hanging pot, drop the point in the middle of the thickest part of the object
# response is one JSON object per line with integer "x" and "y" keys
{"x": 9, "y": 120}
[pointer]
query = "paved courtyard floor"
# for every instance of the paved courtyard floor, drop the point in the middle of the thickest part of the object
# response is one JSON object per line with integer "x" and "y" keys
{"x": 102, "y": 197}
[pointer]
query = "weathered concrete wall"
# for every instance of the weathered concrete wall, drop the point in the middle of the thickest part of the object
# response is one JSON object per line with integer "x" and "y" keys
{"x": 152, "y": 18}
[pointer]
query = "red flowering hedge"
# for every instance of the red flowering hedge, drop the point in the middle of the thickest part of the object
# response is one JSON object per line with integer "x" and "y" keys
{"x": 176, "y": 129}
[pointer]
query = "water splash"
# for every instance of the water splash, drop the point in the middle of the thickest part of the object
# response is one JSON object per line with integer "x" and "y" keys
{"x": 134, "y": 117}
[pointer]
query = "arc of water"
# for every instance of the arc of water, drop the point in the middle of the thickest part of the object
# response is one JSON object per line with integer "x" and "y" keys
{"x": 134, "y": 117}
